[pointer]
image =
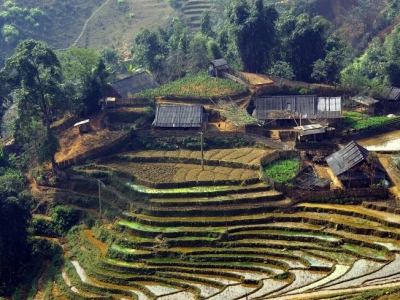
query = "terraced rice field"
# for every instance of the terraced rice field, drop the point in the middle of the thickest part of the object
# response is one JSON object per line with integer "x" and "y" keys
{"x": 192, "y": 11}
{"x": 230, "y": 241}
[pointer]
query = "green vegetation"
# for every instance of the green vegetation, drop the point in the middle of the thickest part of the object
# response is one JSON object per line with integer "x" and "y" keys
{"x": 362, "y": 121}
{"x": 283, "y": 170}
{"x": 195, "y": 86}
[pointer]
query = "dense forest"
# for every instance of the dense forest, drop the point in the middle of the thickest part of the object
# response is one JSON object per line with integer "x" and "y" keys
{"x": 355, "y": 45}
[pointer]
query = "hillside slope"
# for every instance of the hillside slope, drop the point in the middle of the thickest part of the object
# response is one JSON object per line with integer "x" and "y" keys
{"x": 114, "y": 25}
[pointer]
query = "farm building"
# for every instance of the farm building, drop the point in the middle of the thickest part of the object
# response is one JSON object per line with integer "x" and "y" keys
{"x": 313, "y": 132}
{"x": 367, "y": 104}
{"x": 83, "y": 126}
{"x": 218, "y": 66}
{"x": 392, "y": 101}
{"x": 295, "y": 110}
{"x": 346, "y": 166}
{"x": 180, "y": 117}
{"x": 110, "y": 102}
{"x": 393, "y": 93}
{"x": 131, "y": 85}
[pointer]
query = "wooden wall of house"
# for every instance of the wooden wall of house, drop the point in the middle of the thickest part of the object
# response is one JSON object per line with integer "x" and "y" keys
{"x": 110, "y": 92}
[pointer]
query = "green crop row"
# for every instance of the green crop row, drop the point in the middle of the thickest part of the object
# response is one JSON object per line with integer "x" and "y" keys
{"x": 195, "y": 86}
{"x": 283, "y": 170}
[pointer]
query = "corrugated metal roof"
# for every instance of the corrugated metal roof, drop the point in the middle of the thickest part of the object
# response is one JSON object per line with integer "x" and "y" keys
{"x": 81, "y": 122}
{"x": 134, "y": 84}
{"x": 329, "y": 107}
{"x": 393, "y": 93}
{"x": 179, "y": 116}
{"x": 219, "y": 62}
{"x": 346, "y": 158}
{"x": 310, "y": 129}
{"x": 285, "y": 107}
{"x": 364, "y": 100}
{"x": 297, "y": 106}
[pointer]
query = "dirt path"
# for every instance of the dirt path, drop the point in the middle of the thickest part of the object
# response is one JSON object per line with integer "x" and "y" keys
{"x": 42, "y": 282}
{"x": 90, "y": 236}
{"x": 257, "y": 79}
{"x": 85, "y": 25}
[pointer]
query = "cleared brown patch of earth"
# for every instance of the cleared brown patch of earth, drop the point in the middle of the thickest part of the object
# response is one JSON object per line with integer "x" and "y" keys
{"x": 257, "y": 79}
{"x": 90, "y": 236}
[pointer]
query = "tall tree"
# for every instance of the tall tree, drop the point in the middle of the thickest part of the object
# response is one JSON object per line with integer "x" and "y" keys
{"x": 35, "y": 71}
{"x": 150, "y": 49}
{"x": 253, "y": 31}
{"x": 14, "y": 218}
{"x": 303, "y": 42}
{"x": 205, "y": 24}
{"x": 86, "y": 76}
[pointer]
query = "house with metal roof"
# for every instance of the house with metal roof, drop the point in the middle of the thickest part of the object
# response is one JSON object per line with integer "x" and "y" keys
{"x": 393, "y": 93}
{"x": 346, "y": 165}
{"x": 296, "y": 109}
{"x": 217, "y": 67}
{"x": 131, "y": 85}
{"x": 368, "y": 104}
{"x": 180, "y": 117}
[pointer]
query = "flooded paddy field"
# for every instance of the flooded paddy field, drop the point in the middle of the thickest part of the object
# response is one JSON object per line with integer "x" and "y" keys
{"x": 387, "y": 142}
{"x": 161, "y": 248}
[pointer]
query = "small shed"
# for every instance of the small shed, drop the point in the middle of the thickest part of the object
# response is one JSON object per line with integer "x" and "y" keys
{"x": 346, "y": 163}
{"x": 367, "y": 103}
{"x": 84, "y": 126}
{"x": 312, "y": 132}
{"x": 217, "y": 67}
{"x": 180, "y": 117}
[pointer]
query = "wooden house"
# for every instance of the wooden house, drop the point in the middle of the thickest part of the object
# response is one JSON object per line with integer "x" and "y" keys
{"x": 217, "y": 67}
{"x": 297, "y": 110}
{"x": 392, "y": 101}
{"x": 180, "y": 117}
{"x": 393, "y": 93}
{"x": 346, "y": 166}
{"x": 131, "y": 85}
{"x": 83, "y": 126}
{"x": 312, "y": 132}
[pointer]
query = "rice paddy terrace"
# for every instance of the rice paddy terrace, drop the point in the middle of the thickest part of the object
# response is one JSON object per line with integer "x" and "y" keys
{"x": 192, "y": 11}
{"x": 217, "y": 232}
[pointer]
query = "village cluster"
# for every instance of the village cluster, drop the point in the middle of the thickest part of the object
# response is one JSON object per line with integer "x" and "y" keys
{"x": 310, "y": 124}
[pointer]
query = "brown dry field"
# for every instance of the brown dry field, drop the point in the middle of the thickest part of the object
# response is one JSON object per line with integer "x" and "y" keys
{"x": 72, "y": 143}
{"x": 171, "y": 172}
{"x": 257, "y": 79}
{"x": 249, "y": 156}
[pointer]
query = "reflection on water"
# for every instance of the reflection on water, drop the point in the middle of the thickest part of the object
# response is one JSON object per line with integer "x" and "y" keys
{"x": 382, "y": 142}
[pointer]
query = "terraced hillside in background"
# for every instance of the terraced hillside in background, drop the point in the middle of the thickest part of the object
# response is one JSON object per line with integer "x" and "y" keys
{"x": 115, "y": 25}
{"x": 192, "y": 11}
{"x": 224, "y": 235}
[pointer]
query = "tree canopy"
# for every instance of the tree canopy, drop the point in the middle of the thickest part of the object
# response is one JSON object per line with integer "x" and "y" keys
{"x": 35, "y": 73}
